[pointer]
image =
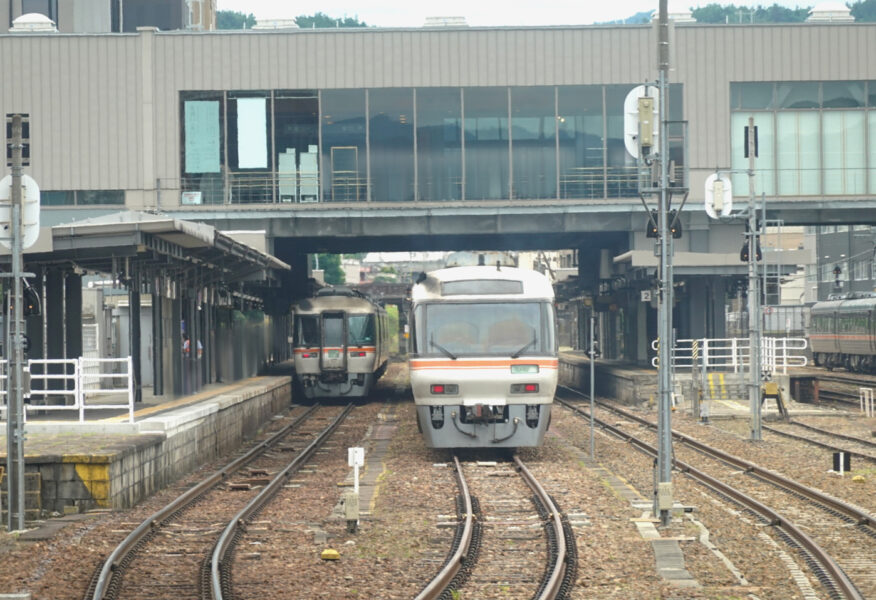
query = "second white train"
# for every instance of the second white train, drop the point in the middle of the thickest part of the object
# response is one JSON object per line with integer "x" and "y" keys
{"x": 483, "y": 356}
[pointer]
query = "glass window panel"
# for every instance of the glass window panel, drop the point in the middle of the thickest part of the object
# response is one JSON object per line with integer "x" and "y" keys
{"x": 392, "y": 144}
{"x": 871, "y": 93}
{"x": 764, "y": 173}
{"x": 201, "y": 136}
{"x": 296, "y": 139}
{"x": 843, "y": 149}
{"x": 343, "y": 145}
{"x": 533, "y": 142}
{"x": 307, "y": 330}
{"x": 251, "y": 146}
{"x": 581, "y": 142}
{"x": 439, "y": 143}
{"x": 842, "y": 228}
{"x": 486, "y": 143}
{"x": 798, "y": 171}
{"x": 751, "y": 96}
{"x": 56, "y": 198}
{"x": 797, "y": 95}
{"x": 333, "y": 330}
{"x": 621, "y": 181}
{"x": 871, "y": 126}
{"x": 99, "y": 197}
{"x": 843, "y": 94}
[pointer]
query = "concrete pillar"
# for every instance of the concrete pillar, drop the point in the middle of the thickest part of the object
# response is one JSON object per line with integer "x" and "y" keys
{"x": 73, "y": 314}
{"x": 157, "y": 340}
{"x": 134, "y": 338}
{"x": 175, "y": 339}
{"x": 34, "y": 323}
{"x": 54, "y": 313}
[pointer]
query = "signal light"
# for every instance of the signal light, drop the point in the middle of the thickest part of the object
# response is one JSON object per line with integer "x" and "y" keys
{"x": 651, "y": 230}
{"x": 674, "y": 224}
{"x": 744, "y": 254}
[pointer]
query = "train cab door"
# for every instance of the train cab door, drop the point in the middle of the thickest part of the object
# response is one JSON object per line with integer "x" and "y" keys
{"x": 334, "y": 349}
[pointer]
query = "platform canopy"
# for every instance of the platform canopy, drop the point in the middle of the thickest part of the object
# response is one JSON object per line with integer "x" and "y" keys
{"x": 122, "y": 243}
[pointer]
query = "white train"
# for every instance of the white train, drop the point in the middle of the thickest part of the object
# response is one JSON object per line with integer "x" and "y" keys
{"x": 483, "y": 360}
{"x": 341, "y": 344}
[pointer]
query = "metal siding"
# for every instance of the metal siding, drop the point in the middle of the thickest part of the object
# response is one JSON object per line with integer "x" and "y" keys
{"x": 85, "y": 92}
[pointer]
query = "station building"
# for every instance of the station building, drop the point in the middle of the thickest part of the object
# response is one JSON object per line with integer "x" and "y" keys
{"x": 454, "y": 137}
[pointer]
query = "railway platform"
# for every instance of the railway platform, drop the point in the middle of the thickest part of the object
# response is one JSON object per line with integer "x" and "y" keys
{"x": 112, "y": 461}
{"x": 727, "y": 393}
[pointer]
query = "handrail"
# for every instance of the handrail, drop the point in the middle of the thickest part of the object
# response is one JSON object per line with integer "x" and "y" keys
{"x": 87, "y": 379}
{"x": 733, "y": 353}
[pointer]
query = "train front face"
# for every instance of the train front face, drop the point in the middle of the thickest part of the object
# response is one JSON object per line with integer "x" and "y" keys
{"x": 484, "y": 373}
{"x": 335, "y": 353}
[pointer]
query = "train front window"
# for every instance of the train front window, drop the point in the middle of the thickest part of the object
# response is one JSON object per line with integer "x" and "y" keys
{"x": 360, "y": 330}
{"x": 495, "y": 328}
{"x": 333, "y": 330}
{"x": 307, "y": 331}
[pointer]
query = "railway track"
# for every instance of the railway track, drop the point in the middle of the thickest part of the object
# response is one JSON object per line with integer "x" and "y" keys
{"x": 829, "y": 440}
{"x": 509, "y": 528}
{"x": 843, "y": 564}
{"x": 180, "y": 550}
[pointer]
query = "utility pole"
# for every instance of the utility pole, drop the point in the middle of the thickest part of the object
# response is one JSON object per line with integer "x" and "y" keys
{"x": 15, "y": 364}
{"x": 754, "y": 318}
{"x": 663, "y": 493}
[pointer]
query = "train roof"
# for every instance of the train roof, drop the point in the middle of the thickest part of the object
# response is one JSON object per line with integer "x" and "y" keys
{"x": 856, "y": 304}
{"x": 348, "y": 303}
{"x": 466, "y": 283}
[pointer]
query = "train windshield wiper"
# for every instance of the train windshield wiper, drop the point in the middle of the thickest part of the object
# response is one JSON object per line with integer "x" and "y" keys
{"x": 450, "y": 354}
{"x": 528, "y": 344}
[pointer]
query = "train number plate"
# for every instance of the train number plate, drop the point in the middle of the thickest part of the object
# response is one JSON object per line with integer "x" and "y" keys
{"x": 334, "y": 353}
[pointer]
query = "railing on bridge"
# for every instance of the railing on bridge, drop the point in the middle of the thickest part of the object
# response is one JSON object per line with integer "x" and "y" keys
{"x": 76, "y": 382}
{"x": 733, "y": 354}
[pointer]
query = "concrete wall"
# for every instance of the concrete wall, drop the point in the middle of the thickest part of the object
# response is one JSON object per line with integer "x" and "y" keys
{"x": 167, "y": 447}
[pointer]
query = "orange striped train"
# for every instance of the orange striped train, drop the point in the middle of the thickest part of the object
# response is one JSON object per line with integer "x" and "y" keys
{"x": 341, "y": 344}
{"x": 483, "y": 356}
{"x": 842, "y": 332}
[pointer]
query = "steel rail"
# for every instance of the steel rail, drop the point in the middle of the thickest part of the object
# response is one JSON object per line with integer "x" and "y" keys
{"x": 859, "y": 516}
{"x": 825, "y": 445}
{"x": 842, "y": 436}
{"x": 122, "y": 553}
{"x": 237, "y": 523}
{"x": 439, "y": 583}
{"x": 554, "y": 582}
{"x": 833, "y": 570}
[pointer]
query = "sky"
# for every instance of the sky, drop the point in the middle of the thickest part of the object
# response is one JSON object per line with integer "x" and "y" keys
{"x": 404, "y": 13}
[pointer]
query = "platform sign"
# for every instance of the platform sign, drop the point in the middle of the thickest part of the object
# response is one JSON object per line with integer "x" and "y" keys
{"x": 356, "y": 457}
{"x": 30, "y": 211}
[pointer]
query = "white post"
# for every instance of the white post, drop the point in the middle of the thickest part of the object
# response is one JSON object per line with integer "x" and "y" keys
{"x": 79, "y": 388}
{"x": 865, "y": 395}
{"x": 130, "y": 364}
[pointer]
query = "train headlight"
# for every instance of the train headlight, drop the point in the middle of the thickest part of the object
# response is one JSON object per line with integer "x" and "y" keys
{"x": 524, "y": 388}
{"x": 446, "y": 389}
{"x": 524, "y": 369}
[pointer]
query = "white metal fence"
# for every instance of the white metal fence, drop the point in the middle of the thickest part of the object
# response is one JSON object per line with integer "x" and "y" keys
{"x": 732, "y": 354}
{"x": 81, "y": 384}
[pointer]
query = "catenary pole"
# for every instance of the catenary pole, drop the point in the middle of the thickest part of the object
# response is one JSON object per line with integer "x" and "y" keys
{"x": 14, "y": 395}
{"x": 663, "y": 493}
{"x": 754, "y": 319}
{"x": 592, "y": 384}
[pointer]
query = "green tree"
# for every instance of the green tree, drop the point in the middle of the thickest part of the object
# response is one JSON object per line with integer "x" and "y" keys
{"x": 330, "y": 264}
{"x": 717, "y": 13}
{"x": 864, "y": 11}
{"x": 322, "y": 20}
{"x": 229, "y": 19}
